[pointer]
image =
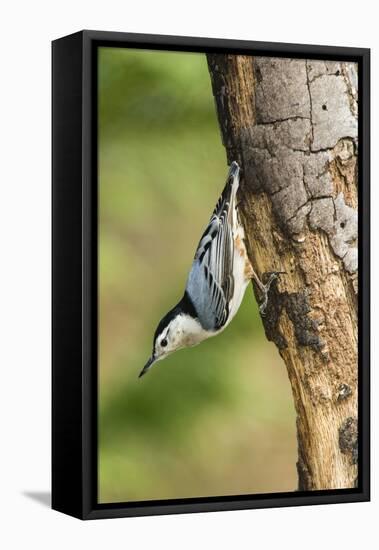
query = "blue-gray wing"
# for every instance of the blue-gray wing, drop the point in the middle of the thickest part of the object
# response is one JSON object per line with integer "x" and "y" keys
{"x": 210, "y": 283}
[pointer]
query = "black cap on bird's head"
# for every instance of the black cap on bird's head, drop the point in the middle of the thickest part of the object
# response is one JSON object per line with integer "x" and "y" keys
{"x": 171, "y": 332}
{"x": 161, "y": 339}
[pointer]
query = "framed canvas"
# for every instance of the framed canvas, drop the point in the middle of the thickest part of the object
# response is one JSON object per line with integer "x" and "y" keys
{"x": 184, "y": 169}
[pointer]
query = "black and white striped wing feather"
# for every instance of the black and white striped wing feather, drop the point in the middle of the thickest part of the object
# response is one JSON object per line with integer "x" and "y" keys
{"x": 210, "y": 283}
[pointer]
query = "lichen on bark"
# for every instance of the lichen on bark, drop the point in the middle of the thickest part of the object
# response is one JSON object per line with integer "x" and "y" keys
{"x": 292, "y": 125}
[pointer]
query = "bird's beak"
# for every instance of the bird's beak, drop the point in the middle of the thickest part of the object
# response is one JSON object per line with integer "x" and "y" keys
{"x": 147, "y": 366}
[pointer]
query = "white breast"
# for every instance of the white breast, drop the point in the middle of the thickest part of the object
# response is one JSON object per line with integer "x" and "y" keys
{"x": 189, "y": 331}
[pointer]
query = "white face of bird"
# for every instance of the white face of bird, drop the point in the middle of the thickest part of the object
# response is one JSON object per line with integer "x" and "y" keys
{"x": 181, "y": 331}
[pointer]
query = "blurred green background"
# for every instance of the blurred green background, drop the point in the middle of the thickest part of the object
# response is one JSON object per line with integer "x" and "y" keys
{"x": 216, "y": 419}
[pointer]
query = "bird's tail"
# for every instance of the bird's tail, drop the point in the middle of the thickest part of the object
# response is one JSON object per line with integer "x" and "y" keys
{"x": 228, "y": 196}
{"x": 234, "y": 179}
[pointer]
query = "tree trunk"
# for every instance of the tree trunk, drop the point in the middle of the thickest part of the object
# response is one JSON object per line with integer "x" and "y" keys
{"x": 292, "y": 126}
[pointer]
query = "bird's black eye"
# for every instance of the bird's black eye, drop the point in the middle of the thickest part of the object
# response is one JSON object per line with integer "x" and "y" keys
{"x": 164, "y": 343}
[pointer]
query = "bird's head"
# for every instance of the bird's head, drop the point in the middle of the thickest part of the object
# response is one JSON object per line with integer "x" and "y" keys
{"x": 178, "y": 329}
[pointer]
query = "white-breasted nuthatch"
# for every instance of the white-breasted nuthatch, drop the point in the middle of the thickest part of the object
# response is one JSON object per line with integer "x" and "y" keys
{"x": 216, "y": 284}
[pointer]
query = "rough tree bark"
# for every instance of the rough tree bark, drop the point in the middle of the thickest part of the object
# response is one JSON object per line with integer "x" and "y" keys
{"x": 292, "y": 126}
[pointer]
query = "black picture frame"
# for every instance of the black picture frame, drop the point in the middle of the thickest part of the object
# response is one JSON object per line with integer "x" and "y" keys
{"x": 74, "y": 273}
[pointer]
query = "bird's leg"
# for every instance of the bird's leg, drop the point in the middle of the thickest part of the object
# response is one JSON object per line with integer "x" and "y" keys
{"x": 264, "y": 288}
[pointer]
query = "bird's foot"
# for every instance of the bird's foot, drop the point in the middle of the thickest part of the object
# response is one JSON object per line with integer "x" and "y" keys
{"x": 265, "y": 290}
